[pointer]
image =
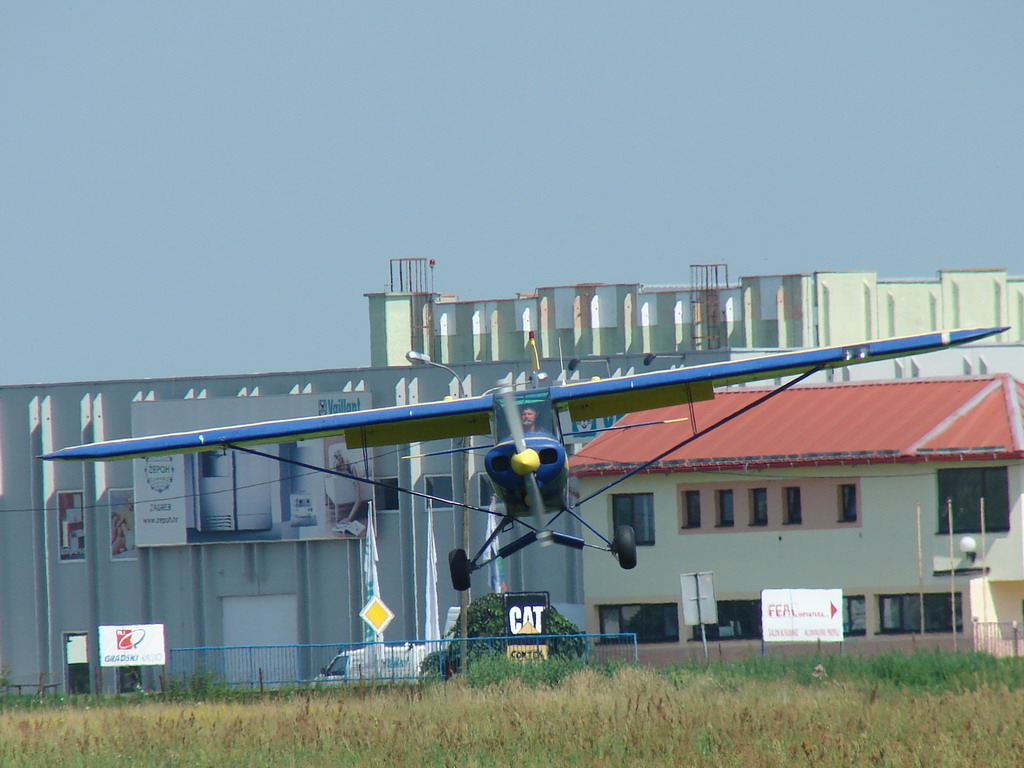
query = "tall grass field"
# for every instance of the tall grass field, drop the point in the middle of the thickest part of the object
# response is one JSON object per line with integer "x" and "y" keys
{"x": 918, "y": 710}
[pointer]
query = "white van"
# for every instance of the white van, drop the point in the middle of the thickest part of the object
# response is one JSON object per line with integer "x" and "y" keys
{"x": 384, "y": 663}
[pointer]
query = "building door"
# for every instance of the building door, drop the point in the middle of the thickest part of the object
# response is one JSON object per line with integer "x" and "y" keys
{"x": 76, "y": 662}
{"x": 262, "y": 620}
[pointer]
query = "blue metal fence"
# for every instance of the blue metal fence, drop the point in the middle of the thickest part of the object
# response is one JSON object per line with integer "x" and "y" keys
{"x": 328, "y": 663}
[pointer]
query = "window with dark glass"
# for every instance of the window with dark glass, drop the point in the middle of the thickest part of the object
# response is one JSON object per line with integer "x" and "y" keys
{"x": 725, "y": 515}
{"x": 637, "y": 510}
{"x": 651, "y": 622}
{"x": 691, "y": 509}
{"x": 847, "y": 503}
{"x": 385, "y": 495}
{"x": 794, "y": 514}
{"x": 854, "y": 615}
{"x": 759, "y": 506}
{"x": 737, "y": 620}
{"x": 962, "y": 491}
{"x": 902, "y": 613}
{"x": 440, "y": 486}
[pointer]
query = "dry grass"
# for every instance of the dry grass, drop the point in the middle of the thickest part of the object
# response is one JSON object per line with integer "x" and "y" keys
{"x": 636, "y": 717}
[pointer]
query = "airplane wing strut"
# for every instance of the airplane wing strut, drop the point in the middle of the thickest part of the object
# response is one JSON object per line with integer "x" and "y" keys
{"x": 357, "y": 478}
{"x": 724, "y": 420}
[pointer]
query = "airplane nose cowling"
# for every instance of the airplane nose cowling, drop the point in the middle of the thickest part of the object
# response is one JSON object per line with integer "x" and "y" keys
{"x": 525, "y": 462}
{"x": 544, "y": 457}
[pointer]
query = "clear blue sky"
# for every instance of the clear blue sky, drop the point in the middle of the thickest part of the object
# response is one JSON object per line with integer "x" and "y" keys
{"x": 210, "y": 187}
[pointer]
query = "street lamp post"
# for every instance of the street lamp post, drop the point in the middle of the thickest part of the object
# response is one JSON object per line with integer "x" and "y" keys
{"x": 420, "y": 358}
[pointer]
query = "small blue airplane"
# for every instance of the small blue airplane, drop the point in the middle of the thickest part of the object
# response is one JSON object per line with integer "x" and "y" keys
{"x": 527, "y": 464}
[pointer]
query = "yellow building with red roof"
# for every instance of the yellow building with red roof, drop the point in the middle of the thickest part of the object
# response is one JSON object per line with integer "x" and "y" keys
{"x": 850, "y": 486}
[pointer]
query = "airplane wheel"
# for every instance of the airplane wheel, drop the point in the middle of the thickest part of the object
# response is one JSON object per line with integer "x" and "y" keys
{"x": 458, "y": 564}
{"x": 624, "y": 546}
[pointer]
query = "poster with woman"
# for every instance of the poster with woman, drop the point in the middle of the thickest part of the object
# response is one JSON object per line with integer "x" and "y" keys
{"x": 122, "y": 524}
{"x": 347, "y": 499}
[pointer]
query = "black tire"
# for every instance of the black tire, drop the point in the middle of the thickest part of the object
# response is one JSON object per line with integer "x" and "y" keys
{"x": 458, "y": 564}
{"x": 624, "y": 546}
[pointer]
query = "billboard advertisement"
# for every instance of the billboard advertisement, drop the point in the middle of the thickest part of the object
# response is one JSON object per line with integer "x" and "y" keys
{"x": 132, "y": 645}
{"x": 802, "y": 615}
{"x": 225, "y": 495}
{"x": 70, "y": 526}
{"x": 526, "y": 614}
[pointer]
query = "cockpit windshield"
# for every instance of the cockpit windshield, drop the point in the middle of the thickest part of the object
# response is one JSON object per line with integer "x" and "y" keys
{"x": 535, "y": 413}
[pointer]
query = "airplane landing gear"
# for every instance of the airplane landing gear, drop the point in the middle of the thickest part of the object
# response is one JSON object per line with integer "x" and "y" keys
{"x": 460, "y": 567}
{"x": 624, "y": 546}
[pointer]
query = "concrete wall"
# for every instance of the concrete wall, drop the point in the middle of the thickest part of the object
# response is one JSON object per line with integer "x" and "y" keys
{"x": 43, "y": 597}
{"x": 759, "y": 312}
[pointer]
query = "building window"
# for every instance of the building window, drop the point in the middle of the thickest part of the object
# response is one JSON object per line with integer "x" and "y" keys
{"x": 725, "y": 516}
{"x": 385, "y": 495}
{"x": 636, "y": 510}
{"x": 794, "y": 515}
{"x": 652, "y": 622}
{"x": 902, "y": 613}
{"x": 440, "y": 486}
{"x": 691, "y": 509}
{"x": 737, "y": 620}
{"x": 759, "y": 506}
{"x": 129, "y": 679}
{"x": 854, "y": 615}
{"x": 963, "y": 490}
{"x": 847, "y": 503}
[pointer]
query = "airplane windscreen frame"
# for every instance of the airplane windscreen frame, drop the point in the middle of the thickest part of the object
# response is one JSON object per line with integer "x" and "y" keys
{"x": 539, "y": 401}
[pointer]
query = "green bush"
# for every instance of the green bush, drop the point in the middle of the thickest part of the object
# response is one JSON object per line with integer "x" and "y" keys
{"x": 497, "y": 669}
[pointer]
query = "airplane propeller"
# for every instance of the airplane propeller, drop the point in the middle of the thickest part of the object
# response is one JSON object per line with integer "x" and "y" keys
{"x": 526, "y": 461}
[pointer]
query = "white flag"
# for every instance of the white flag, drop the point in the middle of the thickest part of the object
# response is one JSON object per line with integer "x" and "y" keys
{"x": 370, "y": 567}
{"x": 432, "y": 624}
{"x": 496, "y": 571}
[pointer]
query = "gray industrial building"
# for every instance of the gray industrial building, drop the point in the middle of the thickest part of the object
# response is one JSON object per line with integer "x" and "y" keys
{"x": 252, "y": 551}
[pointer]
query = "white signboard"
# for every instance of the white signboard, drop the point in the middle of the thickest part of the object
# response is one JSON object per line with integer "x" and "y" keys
{"x": 132, "y": 645}
{"x": 802, "y": 615}
{"x": 699, "y": 605}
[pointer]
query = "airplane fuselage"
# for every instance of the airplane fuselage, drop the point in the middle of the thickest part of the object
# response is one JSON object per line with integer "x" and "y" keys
{"x": 510, "y": 486}
{"x": 544, "y": 454}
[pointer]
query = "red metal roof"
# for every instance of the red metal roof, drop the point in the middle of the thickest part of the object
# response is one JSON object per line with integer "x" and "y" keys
{"x": 866, "y": 422}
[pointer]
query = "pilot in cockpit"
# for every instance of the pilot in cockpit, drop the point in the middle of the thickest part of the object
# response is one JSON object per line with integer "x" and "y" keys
{"x": 529, "y": 416}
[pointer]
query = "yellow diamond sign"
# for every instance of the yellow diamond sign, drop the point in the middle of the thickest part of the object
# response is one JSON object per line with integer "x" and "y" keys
{"x": 376, "y": 614}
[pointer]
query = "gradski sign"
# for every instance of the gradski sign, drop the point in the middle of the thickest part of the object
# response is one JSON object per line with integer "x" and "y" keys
{"x": 132, "y": 645}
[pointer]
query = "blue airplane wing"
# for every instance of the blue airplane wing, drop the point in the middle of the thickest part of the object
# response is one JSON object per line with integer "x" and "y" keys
{"x": 472, "y": 416}
{"x": 610, "y": 397}
{"x": 377, "y": 426}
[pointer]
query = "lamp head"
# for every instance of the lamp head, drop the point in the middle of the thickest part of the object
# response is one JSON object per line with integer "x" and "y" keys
{"x": 969, "y": 547}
